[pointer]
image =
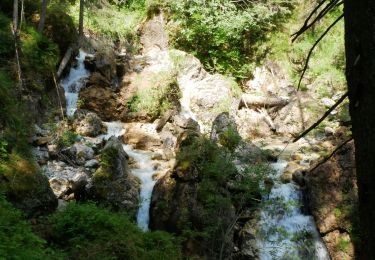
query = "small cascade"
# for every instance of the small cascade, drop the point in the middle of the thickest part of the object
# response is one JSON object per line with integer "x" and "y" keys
{"x": 74, "y": 82}
{"x": 185, "y": 105}
{"x": 145, "y": 173}
{"x": 284, "y": 231}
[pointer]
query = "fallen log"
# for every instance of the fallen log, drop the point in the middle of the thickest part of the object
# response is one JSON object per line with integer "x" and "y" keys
{"x": 64, "y": 61}
{"x": 252, "y": 101}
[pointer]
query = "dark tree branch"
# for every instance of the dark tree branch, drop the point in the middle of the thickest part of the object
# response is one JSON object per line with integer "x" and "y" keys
{"x": 331, "y": 154}
{"x": 327, "y": 113}
{"x": 307, "y": 25}
{"x": 313, "y": 47}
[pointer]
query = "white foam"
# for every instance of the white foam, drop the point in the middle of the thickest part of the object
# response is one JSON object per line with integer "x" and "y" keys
{"x": 284, "y": 231}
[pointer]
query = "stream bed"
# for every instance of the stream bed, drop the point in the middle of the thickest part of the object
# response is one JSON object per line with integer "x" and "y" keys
{"x": 284, "y": 231}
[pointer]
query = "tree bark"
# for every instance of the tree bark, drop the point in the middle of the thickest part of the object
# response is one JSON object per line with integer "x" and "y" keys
{"x": 360, "y": 73}
{"x": 248, "y": 100}
{"x": 81, "y": 14}
{"x": 42, "y": 16}
{"x": 15, "y": 16}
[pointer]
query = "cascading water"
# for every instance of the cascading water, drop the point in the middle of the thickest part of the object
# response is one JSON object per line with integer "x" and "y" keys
{"x": 74, "y": 82}
{"x": 145, "y": 173}
{"x": 284, "y": 231}
{"x": 72, "y": 85}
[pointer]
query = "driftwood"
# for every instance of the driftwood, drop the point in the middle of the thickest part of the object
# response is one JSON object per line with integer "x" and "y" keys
{"x": 64, "y": 61}
{"x": 251, "y": 101}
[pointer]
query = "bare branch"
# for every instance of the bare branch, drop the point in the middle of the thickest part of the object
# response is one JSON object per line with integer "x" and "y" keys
{"x": 331, "y": 154}
{"x": 313, "y": 47}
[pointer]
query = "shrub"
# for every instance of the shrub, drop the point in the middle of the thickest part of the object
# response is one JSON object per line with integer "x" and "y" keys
{"x": 66, "y": 139}
{"x": 17, "y": 239}
{"x": 86, "y": 231}
{"x": 222, "y": 191}
{"x": 224, "y": 34}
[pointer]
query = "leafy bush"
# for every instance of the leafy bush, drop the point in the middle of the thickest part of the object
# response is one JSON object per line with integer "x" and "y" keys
{"x": 17, "y": 239}
{"x": 225, "y": 34}
{"x": 66, "y": 139}
{"x": 222, "y": 190}
{"x": 85, "y": 231}
{"x": 163, "y": 95}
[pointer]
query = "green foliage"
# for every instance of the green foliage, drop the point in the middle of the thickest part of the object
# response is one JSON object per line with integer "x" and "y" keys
{"x": 325, "y": 74}
{"x": 17, "y": 239}
{"x": 162, "y": 96}
{"x": 66, "y": 139}
{"x": 230, "y": 138}
{"x": 6, "y": 43}
{"x": 343, "y": 244}
{"x": 85, "y": 231}
{"x": 224, "y": 34}
{"x": 39, "y": 54}
{"x": 107, "y": 163}
{"x": 222, "y": 190}
{"x": 115, "y": 20}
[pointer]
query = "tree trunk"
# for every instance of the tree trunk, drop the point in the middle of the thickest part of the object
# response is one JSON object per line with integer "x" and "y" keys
{"x": 360, "y": 73}
{"x": 15, "y": 16}
{"x": 42, "y": 16}
{"x": 81, "y": 11}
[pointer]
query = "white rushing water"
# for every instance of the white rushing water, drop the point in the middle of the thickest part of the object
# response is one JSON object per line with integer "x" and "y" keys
{"x": 72, "y": 85}
{"x": 144, "y": 172}
{"x": 285, "y": 232}
{"x": 74, "y": 82}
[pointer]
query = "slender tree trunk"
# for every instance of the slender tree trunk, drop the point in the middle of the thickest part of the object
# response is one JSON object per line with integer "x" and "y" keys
{"x": 42, "y": 16}
{"x": 15, "y": 16}
{"x": 81, "y": 11}
{"x": 360, "y": 73}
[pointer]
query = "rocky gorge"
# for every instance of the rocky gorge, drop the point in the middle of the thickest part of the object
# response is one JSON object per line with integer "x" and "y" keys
{"x": 108, "y": 162}
{"x": 156, "y": 136}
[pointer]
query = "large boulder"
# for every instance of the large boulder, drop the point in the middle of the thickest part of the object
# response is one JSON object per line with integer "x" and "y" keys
{"x": 101, "y": 100}
{"x": 26, "y": 187}
{"x": 142, "y": 136}
{"x": 332, "y": 198}
{"x": 112, "y": 183}
{"x": 67, "y": 182}
{"x": 88, "y": 123}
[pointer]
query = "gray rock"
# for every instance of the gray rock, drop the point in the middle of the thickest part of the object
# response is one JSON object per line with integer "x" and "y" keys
{"x": 327, "y": 102}
{"x": 93, "y": 163}
{"x": 88, "y": 123}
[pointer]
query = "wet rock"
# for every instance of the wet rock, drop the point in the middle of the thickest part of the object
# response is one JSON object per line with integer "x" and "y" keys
{"x": 141, "y": 136}
{"x": 66, "y": 180}
{"x": 223, "y": 127}
{"x": 43, "y": 140}
{"x": 339, "y": 245}
{"x": 247, "y": 241}
{"x": 329, "y": 131}
{"x": 88, "y": 124}
{"x": 41, "y": 155}
{"x": 299, "y": 178}
{"x": 290, "y": 169}
{"x": 112, "y": 183}
{"x": 327, "y": 102}
{"x": 100, "y": 100}
{"x": 332, "y": 199}
{"x": 93, "y": 163}
{"x": 27, "y": 188}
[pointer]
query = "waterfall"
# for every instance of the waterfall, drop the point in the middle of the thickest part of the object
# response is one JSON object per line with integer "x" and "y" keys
{"x": 284, "y": 231}
{"x": 74, "y": 82}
